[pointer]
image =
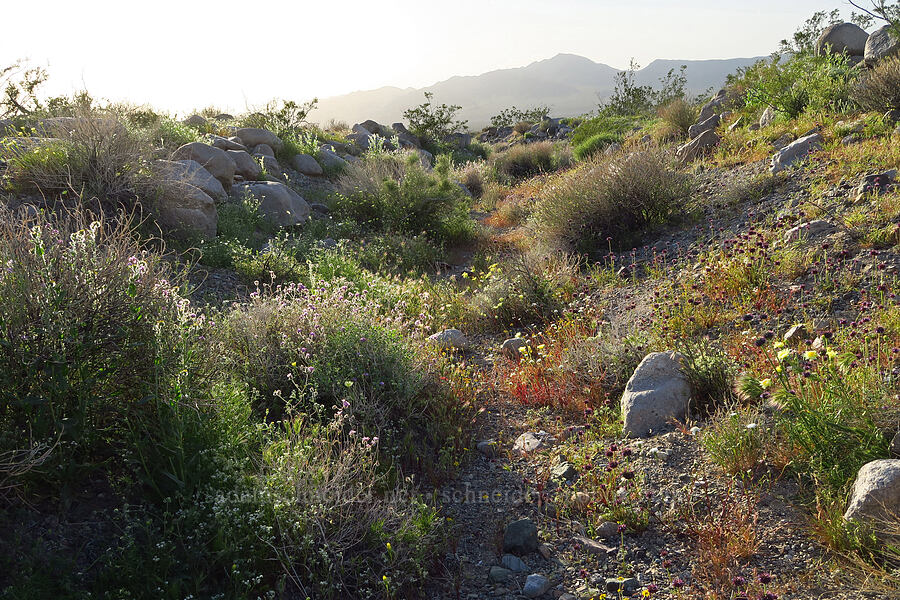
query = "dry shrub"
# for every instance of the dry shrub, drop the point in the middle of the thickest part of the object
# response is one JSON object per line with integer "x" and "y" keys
{"x": 679, "y": 115}
{"x": 368, "y": 176}
{"x": 472, "y": 177}
{"x": 87, "y": 156}
{"x": 879, "y": 89}
{"x": 522, "y": 127}
{"x": 615, "y": 198}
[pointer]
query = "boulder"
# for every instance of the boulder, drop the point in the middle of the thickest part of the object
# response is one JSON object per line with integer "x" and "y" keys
{"x": 520, "y": 537}
{"x": 657, "y": 392}
{"x": 531, "y": 441}
{"x": 195, "y": 121}
{"x": 843, "y": 38}
{"x": 514, "y": 348}
{"x": 513, "y": 563}
{"x": 767, "y": 117}
{"x": 449, "y": 339}
{"x": 881, "y": 44}
{"x": 264, "y": 149}
{"x": 185, "y": 210}
{"x": 223, "y": 117}
{"x": 360, "y": 129}
{"x": 536, "y": 585}
{"x": 876, "y": 184}
{"x": 783, "y": 141}
{"x": 795, "y": 151}
{"x": 459, "y": 139}
{"x": 796, "y": 334}
{"x": 807, "y": 230}
{"x": 270, "y": 165}
{"x": 306, "y": 164}
{"x": 489, "y": 448}
{"x": 875, "y": 499}
{"x": 190, "y": 171}
{"x": 592, "y": 546}
{"x": 374, "y": 127}
{"x": 707, "y": 125}
{"x": 406, "y": 137}
{"x": 214, "y": 160}
{"x": 277, "y": 202}
{"x": 564, "y": 470}
{"x": 245, "y": 165}
{"x": 223, "y": 143}
{"x": 499, "y": 574}
{"x": 254, "y": 136}
{"x": 696, "y": 147}
{"x": 330, "y": 160}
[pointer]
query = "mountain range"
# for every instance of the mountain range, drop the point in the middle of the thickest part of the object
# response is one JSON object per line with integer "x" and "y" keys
{"x": 571, "y": 85}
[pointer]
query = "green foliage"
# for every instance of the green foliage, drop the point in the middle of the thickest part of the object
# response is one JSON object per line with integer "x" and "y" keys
{"x": 510, "y": 116}
{"x": 410, "y": 202}
{"x": 804, "y": 39}
{"x": 628, "y": 98}
{"x": 611, "y": 201}
{"x": 20, "y": 89}
{"x": 284, "y": 117}
{"x": 433, "y": 122}
{"x": 710, "y": 371}
{"x": 801, "y": 83}
{"x": 605, "y": 124}
{"x": 594, "y": 144}
{"x": 527, "y": 160}
{"x": 679, "y": 114}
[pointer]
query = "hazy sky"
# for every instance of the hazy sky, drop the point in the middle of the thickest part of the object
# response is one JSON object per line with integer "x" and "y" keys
{"x": 186, "y": 54}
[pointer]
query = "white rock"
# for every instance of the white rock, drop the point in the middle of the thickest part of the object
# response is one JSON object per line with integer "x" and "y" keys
{"x": 190, "y": 171}
{"x": 657, "y": 392}
{"x": 876, "y": 495}
{"x": 795, "y": 151}
{"x": 881, "y": 44}
{"x": 449, "y": 339}
{"x": 186, "y": 210}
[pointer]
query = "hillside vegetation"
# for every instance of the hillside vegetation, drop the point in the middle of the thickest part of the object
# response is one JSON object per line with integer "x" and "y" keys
{"x": 650, "y": 351}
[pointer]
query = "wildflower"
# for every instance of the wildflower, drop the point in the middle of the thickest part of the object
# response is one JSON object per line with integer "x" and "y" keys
{"x": 809, "y": 354}
{"x": 739, "y": 581}
{"x": 765, "y": 578}
{"x": 777, "y": 345}
{"x": 784, "y": 353}
{"x": 766, "y": 383}
{"x": 751, "y": 426}
{"x": 622, "y": 528}
{"x": 677, "y": 583}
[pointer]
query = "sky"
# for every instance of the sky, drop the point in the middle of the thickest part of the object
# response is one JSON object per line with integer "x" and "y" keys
{"x": 189, "y": 54}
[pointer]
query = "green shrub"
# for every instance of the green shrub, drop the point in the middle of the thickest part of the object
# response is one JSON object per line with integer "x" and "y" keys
{"x": 595, "y": 144}
{"x": 800, "y": 83}
{"x": 605, "y": 124}
{"x": 510, "y": 116}
{"x": 91, "y": 334}
{"x": 710, "y": 371}
{"x": 611, "y": 202}
{"x": 527, "y": 160}
{"x": 385, "y": 194}
{"x": 432, "y": 122}
{"x": 736, "y": 439}
{"x": 879, "y": 88}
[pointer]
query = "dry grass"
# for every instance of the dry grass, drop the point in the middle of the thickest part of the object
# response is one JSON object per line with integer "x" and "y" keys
{"x": 879, "y": 88}
{"x": 679, "y": 115}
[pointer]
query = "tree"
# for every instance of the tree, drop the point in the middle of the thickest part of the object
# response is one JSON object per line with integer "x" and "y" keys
{"x": 20, "y": 85}
{"x": 434, "y": 122}
{"x": 881, "y": 10}
{"x": 804, "y": 39}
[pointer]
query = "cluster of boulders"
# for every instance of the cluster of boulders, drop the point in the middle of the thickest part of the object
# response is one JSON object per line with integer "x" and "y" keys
{"x": 200, "y": 174}
{"x": 702, "y": 134}
{"x": 859, "y": 46}
{"x": 548, "y": 129}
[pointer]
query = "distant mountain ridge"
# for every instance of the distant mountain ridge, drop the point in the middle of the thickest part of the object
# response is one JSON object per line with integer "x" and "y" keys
{"x": 571, "y": 85}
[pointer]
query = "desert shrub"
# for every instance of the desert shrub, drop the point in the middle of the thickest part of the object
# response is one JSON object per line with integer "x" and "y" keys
{"x": 605, "y": 124}
{"x": 736, "y": 439}
{"x": 471, "y": 176}
{"x": 606, "y": 359}
{"x": 710, "y": 371}
{"x": 594, "y": 144}
{"x": 523, "y": 127}
{"x": 527, "y": 160}
{"x": 529, "y": 290}
{"x": 310, "y": 348}
{"x": 611, "y": 198}
{"x": 170, "y": 134}
{"x": 298, "y": 142}
{"x": 432, "y": 122}
{"x": 800, "y": 83}
{"x": 282, "y": 117}
{"x": 879, "y": 88}
{"x": 91, "y": 329}
{"x": 94, "y": 158}
{"x": 388, "y": 194}
{"x": 510, "y": 116}
{"x": 679, "y": 114}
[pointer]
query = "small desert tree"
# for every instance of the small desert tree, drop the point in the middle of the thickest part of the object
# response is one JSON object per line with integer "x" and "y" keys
{"x": 432, "y": 121}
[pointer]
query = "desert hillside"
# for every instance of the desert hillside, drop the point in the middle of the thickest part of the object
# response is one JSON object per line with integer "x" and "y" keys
{"x": 643, "y": 349}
